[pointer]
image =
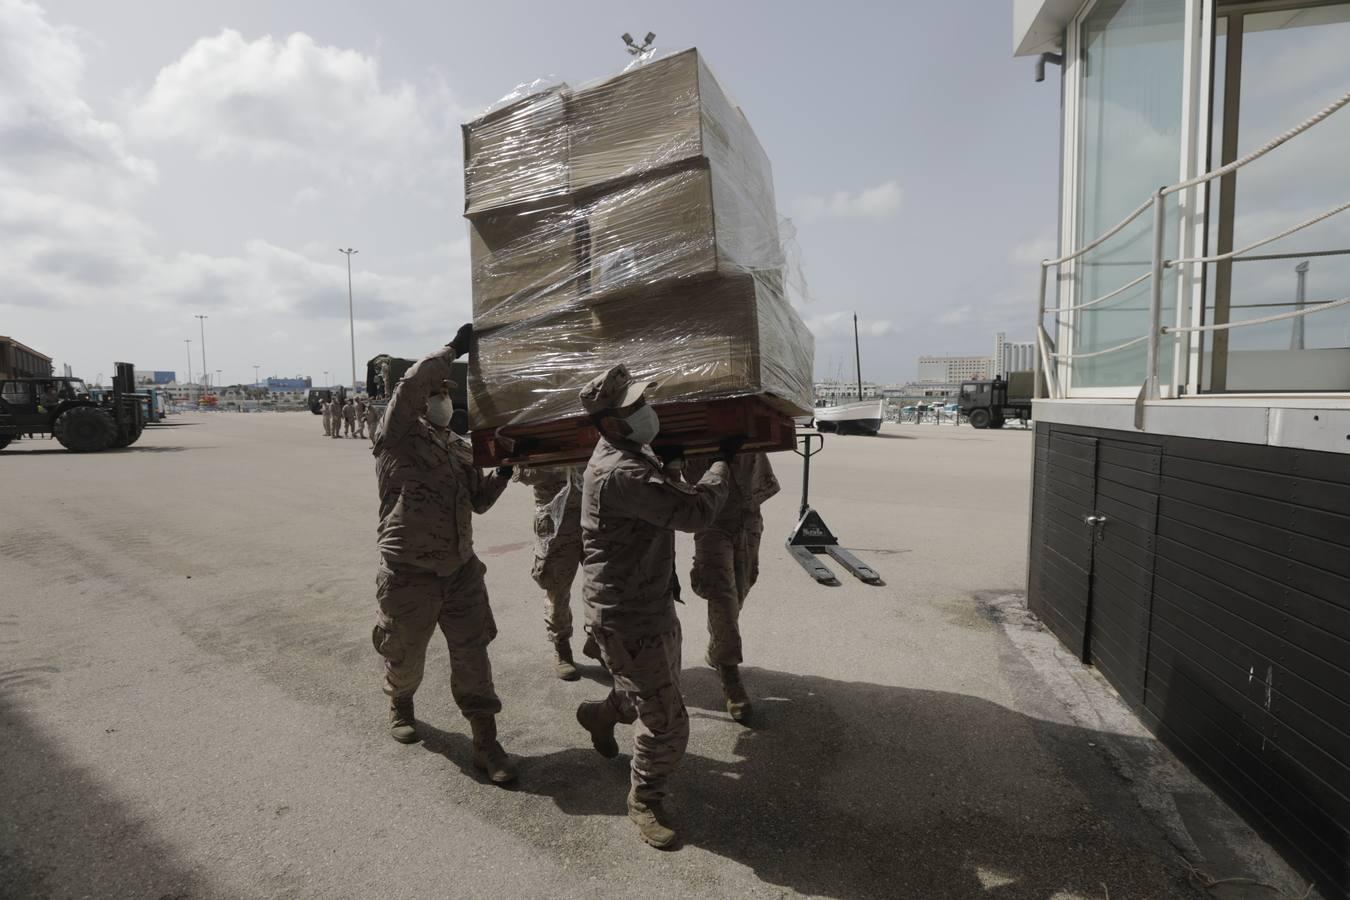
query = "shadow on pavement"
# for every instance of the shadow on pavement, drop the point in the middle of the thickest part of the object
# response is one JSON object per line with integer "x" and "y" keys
{"x": 854, "y": 790}
{"x": 62, "y": 835}
{"x": 46, "y": 451}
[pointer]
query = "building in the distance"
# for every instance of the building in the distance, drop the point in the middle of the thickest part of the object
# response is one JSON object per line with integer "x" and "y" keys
{"x": 840, "y": 391}
{"x": 953, "y": 368}
{"x": 1012, "y": 356}
{"x": 20, "y": 361}
{"x": 156, "y": 376}
{"x": 299, "y": 383}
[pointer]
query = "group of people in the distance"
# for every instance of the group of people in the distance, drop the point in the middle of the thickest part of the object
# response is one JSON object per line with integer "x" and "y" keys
{"x": 615, "y": 519}
{"x": 349, "y": 419}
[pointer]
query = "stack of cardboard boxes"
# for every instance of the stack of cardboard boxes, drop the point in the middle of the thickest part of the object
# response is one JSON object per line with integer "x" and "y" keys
{"x": 630, "y": 221}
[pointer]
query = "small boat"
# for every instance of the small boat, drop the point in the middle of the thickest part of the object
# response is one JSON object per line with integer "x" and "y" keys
{"x": 853, "y": 416}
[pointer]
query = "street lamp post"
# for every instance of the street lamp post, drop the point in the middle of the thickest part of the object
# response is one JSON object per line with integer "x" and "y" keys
{"x": 256, "y": 367}
{"x": 1300, "y": 299}
{"x": 351, "y": 321}
{"x": 219, "y": 380}
{"x": 188, "y": 342}
{"x": 325, "y": 378}
{"x": 206, "y": 373}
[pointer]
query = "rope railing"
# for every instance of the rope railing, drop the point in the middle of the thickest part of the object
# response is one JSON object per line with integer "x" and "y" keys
{"x": 1091, "y": 303}
{"x": 1220, "y": 257}
{"x": 1307, "y": 310}
{"x": 1130, "y": 343}
{"x": 1156, "y": 329}
{"x": 1262, "y": 150}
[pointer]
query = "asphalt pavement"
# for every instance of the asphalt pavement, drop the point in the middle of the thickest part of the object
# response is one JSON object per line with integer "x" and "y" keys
{"x": 190, "y": 702}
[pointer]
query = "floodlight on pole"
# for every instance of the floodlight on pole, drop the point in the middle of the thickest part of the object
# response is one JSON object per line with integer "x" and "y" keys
{"x": 351, "y": 322}
{"x": 1300, "y": 301}
{"x": 256, "y": 367}
{"x": 206, "y": 373}
{"x": 634, "y": 49}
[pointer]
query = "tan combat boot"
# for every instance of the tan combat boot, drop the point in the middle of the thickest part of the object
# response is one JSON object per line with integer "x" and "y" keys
{"x": 599, "y": 718}
{"x": 562, "y": 661}
{"x": 738, "y": 702}
{"x": 402, "y": 725}
{"x": 652, "y": 821}
{"x": 488, "y": 755}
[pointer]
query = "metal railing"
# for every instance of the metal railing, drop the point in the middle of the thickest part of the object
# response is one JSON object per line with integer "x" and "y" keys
{"x": 1047, "y": 355}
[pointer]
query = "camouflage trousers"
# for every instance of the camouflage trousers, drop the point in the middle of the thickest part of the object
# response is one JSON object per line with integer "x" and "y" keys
{"x": 412, "y": 602}
{"x": 726, "y": 566}
{"x": 327, "y": 425}
{"x": 556, "y": 560}
{"x": 646, "y": 690}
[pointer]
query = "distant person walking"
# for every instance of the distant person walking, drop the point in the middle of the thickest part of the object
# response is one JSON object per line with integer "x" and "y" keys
{"x": 349, "y": 418}
{"x": 326, "y": 407}
{"x": 337, "y": 416}
{"x": 361, "y": 418}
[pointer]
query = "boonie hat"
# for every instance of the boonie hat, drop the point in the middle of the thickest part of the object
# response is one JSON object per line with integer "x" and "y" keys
{"x": 612, "y": 390}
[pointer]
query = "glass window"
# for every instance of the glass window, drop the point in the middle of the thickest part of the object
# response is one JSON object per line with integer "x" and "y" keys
{"x": 1130, "y": 55}
{"x": 1285, "y": 65}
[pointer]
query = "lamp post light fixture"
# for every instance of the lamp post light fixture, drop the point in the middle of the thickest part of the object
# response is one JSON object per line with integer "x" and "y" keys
{"x": 206, "y": 373}
{"x": 351, "y": 321}
{"x": 188, "y": 342}
{"x": 1300, "y": 300}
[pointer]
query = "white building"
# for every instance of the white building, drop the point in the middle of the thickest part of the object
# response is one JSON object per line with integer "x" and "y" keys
{"x": 1190, "y": 525}
{"x": 1012, "y": 356}
{"x": 953, "y": 368}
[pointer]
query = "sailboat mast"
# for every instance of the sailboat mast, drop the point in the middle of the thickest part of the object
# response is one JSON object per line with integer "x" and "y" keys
{"x": 857, "y": 354}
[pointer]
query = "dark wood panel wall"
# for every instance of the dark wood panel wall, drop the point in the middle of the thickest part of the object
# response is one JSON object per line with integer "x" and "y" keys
{"x": 1210, "y": 583}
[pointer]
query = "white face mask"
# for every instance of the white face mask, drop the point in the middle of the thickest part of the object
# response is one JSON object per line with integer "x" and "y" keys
{"x": 645, "y": 425}
{"x": 439, "y": 410}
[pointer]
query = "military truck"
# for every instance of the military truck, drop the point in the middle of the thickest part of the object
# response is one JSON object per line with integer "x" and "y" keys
{"x": 66, "y": 409}
{"x": 990, "y": 404}
{"x": 314, "y": 397}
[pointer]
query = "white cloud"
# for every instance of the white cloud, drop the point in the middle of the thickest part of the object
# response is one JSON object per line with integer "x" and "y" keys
{"x": 876, "y": 202}
{"x": 49, "y": 136}
{"x": 296, "y": 100}
{"x": 77, "y": 251}
{"x": 840, "y": 324}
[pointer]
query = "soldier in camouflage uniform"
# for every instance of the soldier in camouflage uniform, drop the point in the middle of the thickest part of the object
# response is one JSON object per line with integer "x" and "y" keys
{"x": 326, "y": 407}
{"x": 726, "y": 565}
{"x": 429, "y": 575}
{"x": 360, "y": 418}
{"x": 337, "y": 416}
{"x": 349, "y": 418}
{"x": 630, "y": 511}
{"x": 557, "y": 553}
{"x": 372, "y": 419}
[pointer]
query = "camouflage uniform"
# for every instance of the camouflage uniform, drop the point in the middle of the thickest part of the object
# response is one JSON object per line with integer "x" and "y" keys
{"x": 349, "y": 419}
{"x": 326, "y": 407}
{"x": 726, "y": 555}
{"x": 360, "y": 418}
{"x": 336, "y": 407}
{"x": 372, "y": 420}
{"x": 630, "y": 511}
{"x": 557, "y": 542}
{"x": 429, "y": 575}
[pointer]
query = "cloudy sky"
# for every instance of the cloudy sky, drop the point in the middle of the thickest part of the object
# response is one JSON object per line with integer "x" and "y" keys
{"x": 160, "y": 160}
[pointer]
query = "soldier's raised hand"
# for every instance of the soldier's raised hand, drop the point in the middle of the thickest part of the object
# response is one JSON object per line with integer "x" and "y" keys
{"x": 463, "y": 339}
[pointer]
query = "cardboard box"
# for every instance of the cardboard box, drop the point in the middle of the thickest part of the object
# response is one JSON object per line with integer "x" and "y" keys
{"x": 661, "y": 114}
{"x": 710, "y": 338}
{"x": 525, "y": 261}
{"x": 517, "y": 154}
{"x": 682, "y": 224}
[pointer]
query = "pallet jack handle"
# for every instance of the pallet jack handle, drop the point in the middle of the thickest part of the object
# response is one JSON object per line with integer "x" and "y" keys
{"x": 805, "y": 452}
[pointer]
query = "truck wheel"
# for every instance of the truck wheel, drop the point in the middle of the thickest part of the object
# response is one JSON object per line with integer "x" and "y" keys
{"x": 5, "y": 439}
{"x": 126, "y": 436}
{"x": 997, "y": 423}
{"x": 85, "y": 429}
{"x": 979, "y": 418}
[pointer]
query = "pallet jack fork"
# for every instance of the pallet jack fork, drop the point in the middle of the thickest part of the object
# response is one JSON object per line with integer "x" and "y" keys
{"x": 812, "y": 537}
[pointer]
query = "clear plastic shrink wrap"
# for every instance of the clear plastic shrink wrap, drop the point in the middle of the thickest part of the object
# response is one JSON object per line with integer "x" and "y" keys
{"x": 633, "y": 221}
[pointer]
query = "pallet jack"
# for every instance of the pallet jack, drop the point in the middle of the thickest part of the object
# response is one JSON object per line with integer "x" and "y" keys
{"x": 812, "y": 537}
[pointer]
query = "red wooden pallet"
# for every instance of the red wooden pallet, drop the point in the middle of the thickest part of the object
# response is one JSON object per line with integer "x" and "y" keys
{"x": 697, "y": 427}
